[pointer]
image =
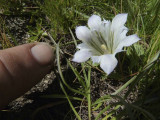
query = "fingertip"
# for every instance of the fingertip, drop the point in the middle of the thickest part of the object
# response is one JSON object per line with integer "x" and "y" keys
{"x": 43, "y": 53}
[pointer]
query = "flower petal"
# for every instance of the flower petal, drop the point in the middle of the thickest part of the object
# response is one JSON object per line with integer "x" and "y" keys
{"x": 105, "y": 21}
{"x": 129, "y": 40}
{"x": 82, "y": 56}
{"x": 83, "y": 33}
{"x": 118, "y": 21}
{"x": 82, "y": 46}
{"x": 108, "y": 63}
{"x": 94, "y": 22}
{"x": 123, "y": 33}
{"x": 96, "y": 59}
{"x": 105, "y": 29}
{"x": 119, "y": 36}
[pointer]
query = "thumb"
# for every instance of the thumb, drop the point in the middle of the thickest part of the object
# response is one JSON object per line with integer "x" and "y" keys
{"x": 21, "y": 68}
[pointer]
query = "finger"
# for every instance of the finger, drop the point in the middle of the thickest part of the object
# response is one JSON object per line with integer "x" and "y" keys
{"x": 22, "y": 67}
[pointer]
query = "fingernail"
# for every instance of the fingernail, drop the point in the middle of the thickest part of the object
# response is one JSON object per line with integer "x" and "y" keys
{"x": 43, "y": 53}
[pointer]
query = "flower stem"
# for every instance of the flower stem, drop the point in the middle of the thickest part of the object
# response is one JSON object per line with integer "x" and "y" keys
{"x": 89, "y": 104}
{"x": 89, "y": 93}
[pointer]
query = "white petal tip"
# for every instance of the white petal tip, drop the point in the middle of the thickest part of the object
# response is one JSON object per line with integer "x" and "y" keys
{"x": 94, "y": 17}
{"x": 125, "y": 15}
{"x": 129, "y": 40}
{"x": 94, "y": 21}
{"x": 81, "y": 56}
{"x": 108, "y": 63}
{"x": 136, "y": 36}
{"x": 82, "y": 33}
{"x": 119, "y": 20}
{"x": 74, "y": 60}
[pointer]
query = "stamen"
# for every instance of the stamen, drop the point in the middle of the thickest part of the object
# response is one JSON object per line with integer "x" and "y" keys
{"x": 103, "y": 47}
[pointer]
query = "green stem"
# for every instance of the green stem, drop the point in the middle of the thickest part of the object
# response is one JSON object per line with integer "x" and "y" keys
{"x": 89, "y": 104}
{"x": 89, "y": 93}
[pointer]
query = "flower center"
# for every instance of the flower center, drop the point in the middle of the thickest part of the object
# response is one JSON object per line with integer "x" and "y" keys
{"x": 103, "y": 47}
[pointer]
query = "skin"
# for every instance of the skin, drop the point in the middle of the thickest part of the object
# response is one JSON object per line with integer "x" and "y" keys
{"x": 21, "y": 68}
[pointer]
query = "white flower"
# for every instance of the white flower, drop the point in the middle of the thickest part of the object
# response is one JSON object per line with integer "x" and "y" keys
{"x": 102, "y": 40}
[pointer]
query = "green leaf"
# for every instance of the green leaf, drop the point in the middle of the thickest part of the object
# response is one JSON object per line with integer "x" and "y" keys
{"x": 152, "y": 60}
{"x": 61, "y": 96}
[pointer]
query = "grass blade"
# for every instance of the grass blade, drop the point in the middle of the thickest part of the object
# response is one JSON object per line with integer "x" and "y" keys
{"x": 61, "y": 75}
{"x": 70, "y": 103}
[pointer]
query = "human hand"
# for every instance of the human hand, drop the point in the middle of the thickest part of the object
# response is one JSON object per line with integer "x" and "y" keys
{"x": 21, "y": 68}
